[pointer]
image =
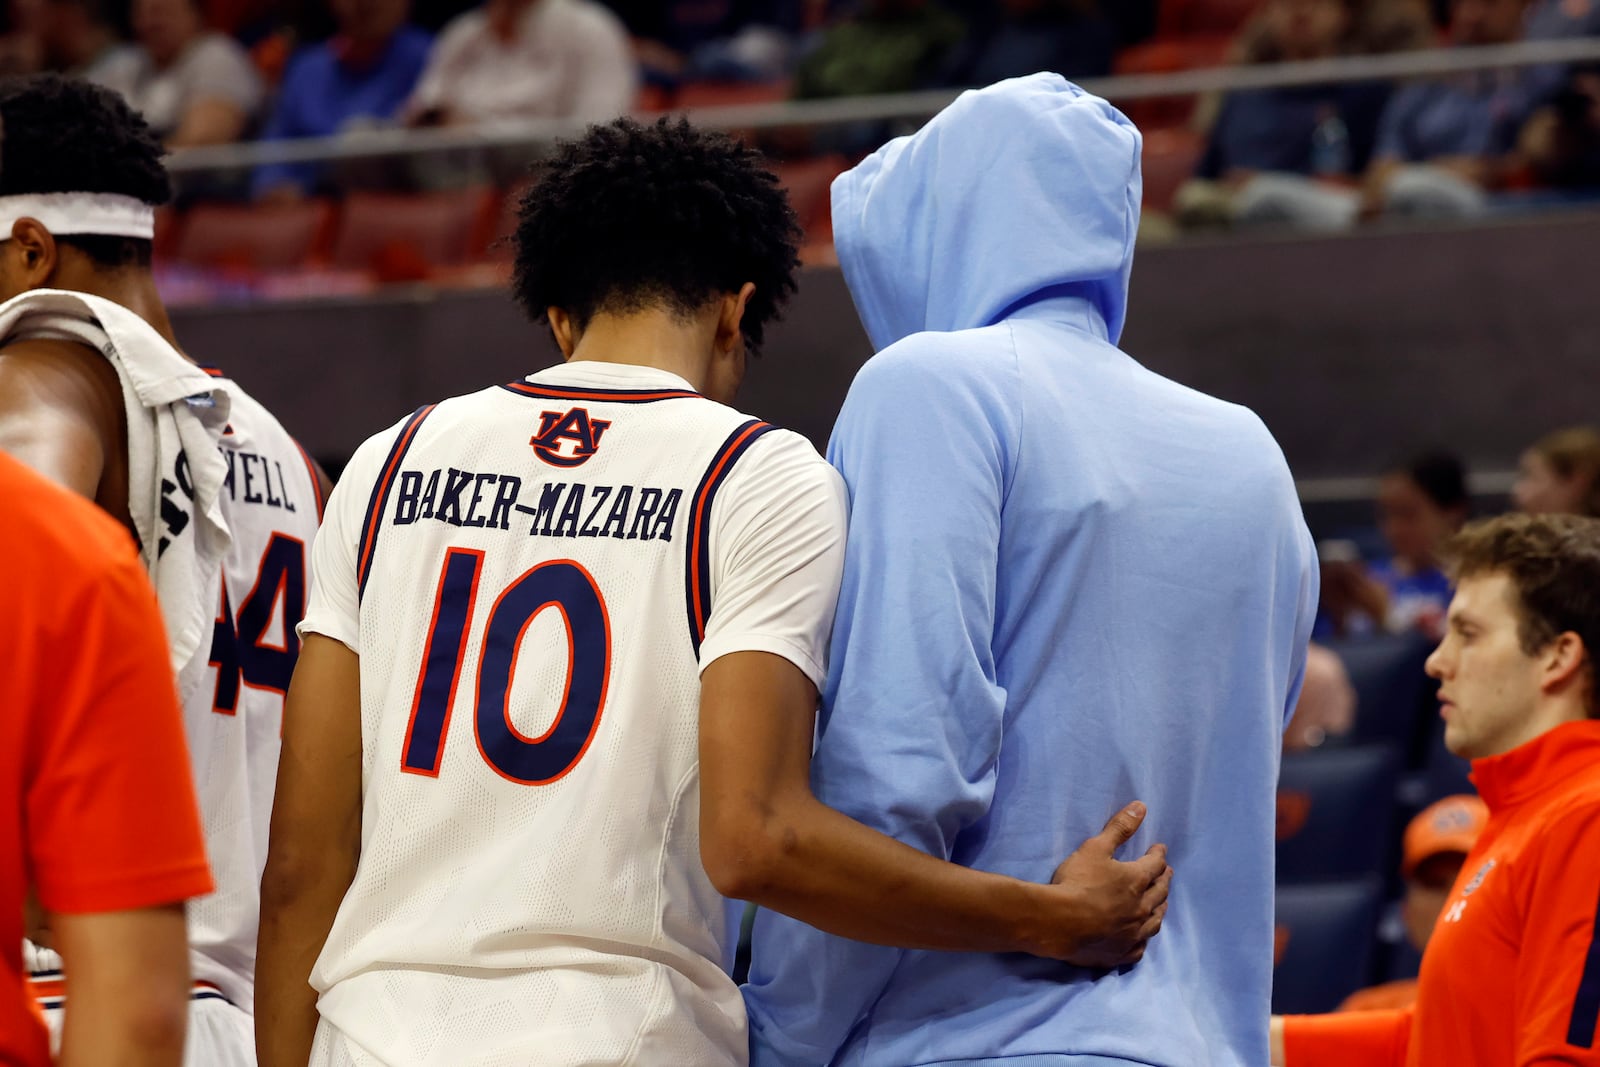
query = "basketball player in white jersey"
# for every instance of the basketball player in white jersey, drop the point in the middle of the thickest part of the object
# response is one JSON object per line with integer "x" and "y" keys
{"x": 85, "y": 330}
{"x": 560, "y": 671}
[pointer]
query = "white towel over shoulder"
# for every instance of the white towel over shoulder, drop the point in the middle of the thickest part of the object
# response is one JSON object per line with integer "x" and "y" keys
{"x": 176, "y": 416}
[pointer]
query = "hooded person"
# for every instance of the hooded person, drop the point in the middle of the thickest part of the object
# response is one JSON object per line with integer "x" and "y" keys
{"x": 1067, "y": 580}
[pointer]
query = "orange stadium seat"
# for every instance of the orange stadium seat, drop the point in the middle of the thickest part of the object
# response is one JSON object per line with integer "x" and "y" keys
{"x": 1167, "y": 57}
{"x": 1189, "y": 18}
{"x": 253, "y": 237}
{"x": 403, "y": 236}
{"x": 808, "y": 182}
{"x": 1170, "y": 157}
{"x": 497, "y": 244}
{"x": 726, "y": 94}
{"x": 652, "y": 98}
{"x": 169, "y": 224}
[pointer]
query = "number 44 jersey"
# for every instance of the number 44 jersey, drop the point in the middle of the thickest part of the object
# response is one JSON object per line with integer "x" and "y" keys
{"x": 233, "y": 688}
{"x": 534, "y": 576}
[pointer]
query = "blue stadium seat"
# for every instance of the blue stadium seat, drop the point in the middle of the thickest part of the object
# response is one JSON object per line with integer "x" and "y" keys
{"x": 1392, "y": 689}
{"x": 1325, "y": 938}
{"x": 1336, "y": 813}
{"x": 1443, "y": 772}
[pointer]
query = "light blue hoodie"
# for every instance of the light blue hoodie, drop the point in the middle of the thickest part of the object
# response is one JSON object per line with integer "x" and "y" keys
{"x": 1070, "y": 583}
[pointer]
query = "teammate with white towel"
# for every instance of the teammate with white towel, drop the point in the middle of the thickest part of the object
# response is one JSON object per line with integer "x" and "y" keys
{"x": 96, "y": 394}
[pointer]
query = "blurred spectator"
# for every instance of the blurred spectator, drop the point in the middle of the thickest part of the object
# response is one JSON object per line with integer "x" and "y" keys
{"x": 192, "y": 86}
{"x": 1561, "y": 141}
{"x": 1064, "y": 36}
{"x": 890, "y": 46}
{"x": 1555, "y": 20}
{"x": 21, "y": 38}
{"x": 1441, "y": 144}
{"x": 1323, "y": 131}
{"x": 79, "y": 39}
{"x": 1327, "y": 705}
{"x": 1436, "y": 845}
{"x": 711, "y": 40}
{"x": 1560, "y": 474}
{"x": 1420, "y": 505}
{"x": 523, "y": 59}
{"x": 362, "y": 77}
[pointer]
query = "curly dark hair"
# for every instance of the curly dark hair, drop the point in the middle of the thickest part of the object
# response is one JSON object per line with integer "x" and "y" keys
{"x": 62, "y": 135}
{"x": 630, "y": 216}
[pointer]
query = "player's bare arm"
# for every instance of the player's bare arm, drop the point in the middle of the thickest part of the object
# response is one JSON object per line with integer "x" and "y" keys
{"x": 127, "y": 978}
{"x": 314, "y": 845}
{"x": 61, "y": 413}
{"x": 765, "y": 838}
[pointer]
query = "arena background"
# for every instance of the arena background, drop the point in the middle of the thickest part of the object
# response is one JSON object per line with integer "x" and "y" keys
{"x": 345, "y": 310}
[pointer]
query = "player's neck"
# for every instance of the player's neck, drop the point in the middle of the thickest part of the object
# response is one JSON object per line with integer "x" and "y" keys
{"x": 651, "y": 338}
{"x": 136, "y": 291}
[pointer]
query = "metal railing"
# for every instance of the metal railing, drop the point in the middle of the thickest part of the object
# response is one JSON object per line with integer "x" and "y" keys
{"x": 533, "y": 135}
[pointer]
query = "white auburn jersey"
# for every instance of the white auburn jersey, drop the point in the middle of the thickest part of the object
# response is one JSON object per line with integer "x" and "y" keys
{"x": 533, "y": 576}
{"x": 233, "y": 689}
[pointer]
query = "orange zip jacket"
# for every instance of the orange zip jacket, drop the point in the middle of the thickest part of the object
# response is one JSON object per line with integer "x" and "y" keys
{"x": 1511, "y": 976}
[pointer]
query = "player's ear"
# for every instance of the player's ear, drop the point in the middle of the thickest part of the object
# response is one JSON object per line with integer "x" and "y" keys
{"x": 563, "y": 329}
{"x": 37, "y": 255}
{"x": 1564, "y": 661}
{"x": 730, "y": 317}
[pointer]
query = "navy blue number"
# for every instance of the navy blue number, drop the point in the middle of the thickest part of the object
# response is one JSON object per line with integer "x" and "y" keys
{"x": 441, "y": 662}
{"x": 561, "y": 585}
{"x": 241, "y": 648}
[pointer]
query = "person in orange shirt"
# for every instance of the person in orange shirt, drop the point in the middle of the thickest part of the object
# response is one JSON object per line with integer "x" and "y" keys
{"x": 1511, "y": 976}
{"x": 1436, "y": 844}
{"x": 97, "y": 809}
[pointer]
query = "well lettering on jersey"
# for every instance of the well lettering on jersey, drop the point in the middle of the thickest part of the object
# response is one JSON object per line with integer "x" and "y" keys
{"x": 256, "y": 479}
{"x": 484, "y": 499}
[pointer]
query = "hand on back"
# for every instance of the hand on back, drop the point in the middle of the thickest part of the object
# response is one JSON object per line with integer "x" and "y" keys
{"x": 1103, "y": 911}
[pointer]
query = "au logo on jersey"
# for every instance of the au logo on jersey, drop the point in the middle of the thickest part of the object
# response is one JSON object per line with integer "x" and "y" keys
{"x": 568, "y": 438}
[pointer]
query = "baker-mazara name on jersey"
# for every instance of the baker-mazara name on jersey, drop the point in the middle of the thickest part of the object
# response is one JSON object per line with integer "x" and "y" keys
{"x": 487, "y": 500}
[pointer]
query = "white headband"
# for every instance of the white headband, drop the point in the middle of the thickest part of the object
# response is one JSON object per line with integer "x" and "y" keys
{"x": 105, "y": 214}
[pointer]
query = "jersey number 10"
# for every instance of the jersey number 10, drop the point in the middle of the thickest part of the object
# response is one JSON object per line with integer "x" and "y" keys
{"x": 560, "y": 584}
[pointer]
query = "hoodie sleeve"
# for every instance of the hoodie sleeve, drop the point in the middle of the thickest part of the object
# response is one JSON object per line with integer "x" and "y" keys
{"x": 1305, "y": 621}
{"x": 912, "y": 713}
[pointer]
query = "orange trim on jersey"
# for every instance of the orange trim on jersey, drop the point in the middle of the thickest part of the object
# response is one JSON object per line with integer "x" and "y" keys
{"x": 380, "y": 492}
{"x": 599, "y": 396}
{"x": 316, "y": 482}
{"x": 47, "y": 988}
{"x": 699, "y": 610}
{"x": 455, "y": 674}
{"x": 56, "y": 988}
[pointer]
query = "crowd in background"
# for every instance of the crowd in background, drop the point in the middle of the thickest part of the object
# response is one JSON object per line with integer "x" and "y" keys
{"x": 1327, "y": 157}
{"x": 1396, "y": 583}
{"x": 1324, "y": 157}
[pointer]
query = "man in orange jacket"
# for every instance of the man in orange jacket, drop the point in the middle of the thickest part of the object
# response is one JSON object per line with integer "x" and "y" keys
{"x": 1511, "y": 977}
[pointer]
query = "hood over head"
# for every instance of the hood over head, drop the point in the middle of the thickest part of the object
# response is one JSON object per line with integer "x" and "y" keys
{"x": 1024, "y": 191}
